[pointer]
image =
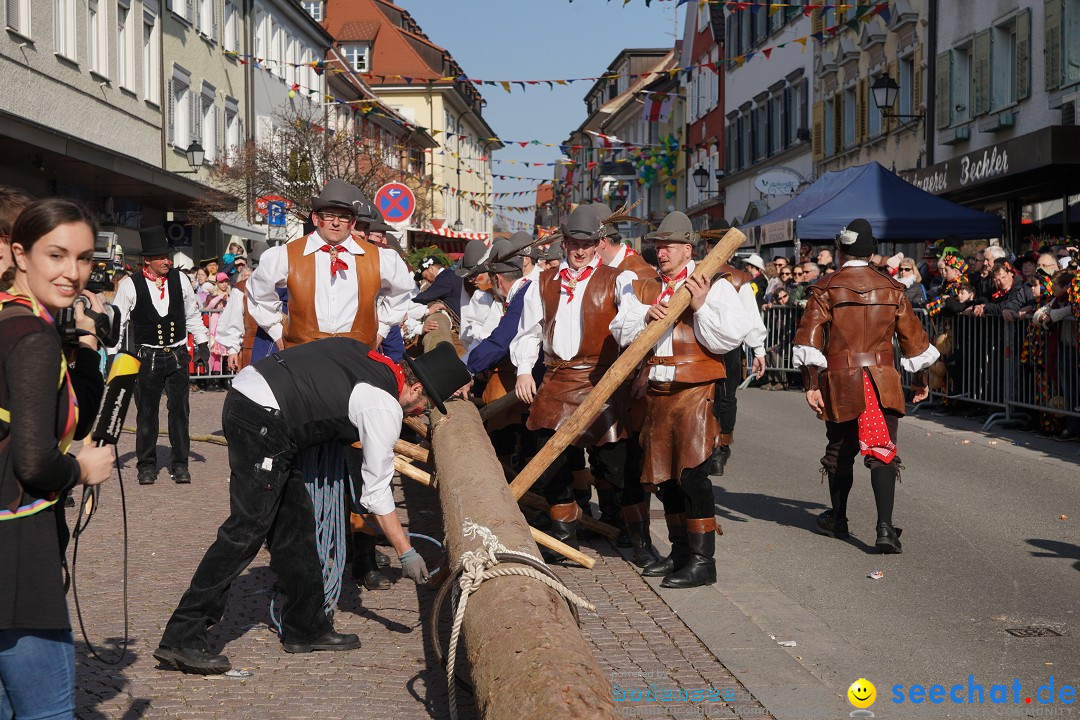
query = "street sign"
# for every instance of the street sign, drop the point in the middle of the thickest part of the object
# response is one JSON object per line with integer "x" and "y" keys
{"x": 275, "y": 214}
{"x": 262, "y": 203}
{"x": 396, "y": 202}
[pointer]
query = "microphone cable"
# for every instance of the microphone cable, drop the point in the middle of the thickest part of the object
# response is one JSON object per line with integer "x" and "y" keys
{"x": 91, "y": 494}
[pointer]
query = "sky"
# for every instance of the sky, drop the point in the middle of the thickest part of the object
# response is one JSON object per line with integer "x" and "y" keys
{"x": 539, "y": 40}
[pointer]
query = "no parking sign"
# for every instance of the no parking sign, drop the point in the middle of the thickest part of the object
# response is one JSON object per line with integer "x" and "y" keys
{"x": 396, "y": 202}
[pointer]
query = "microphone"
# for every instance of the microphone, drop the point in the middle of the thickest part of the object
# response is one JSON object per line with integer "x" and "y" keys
{"x": 119, "y": 387}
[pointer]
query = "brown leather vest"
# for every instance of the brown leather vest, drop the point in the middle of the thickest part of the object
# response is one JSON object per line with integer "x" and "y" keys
{"x": 735, "y": 276}
{"x": 250, "y": 328}
{"x": 303, "y": 324}
{"x": 693, "y": 363}
{"x": 598, "y": 310}
{"x": 637, "y": 265}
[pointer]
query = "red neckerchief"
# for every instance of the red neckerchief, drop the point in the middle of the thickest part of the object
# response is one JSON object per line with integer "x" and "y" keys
{"x": 874, "y": 436}
{"x": 630, "y": 251}
{"x": 571, "y": 282}
{"x": 336, "y": 263}
{"x": 399, "y": 375}
{"x": 1000, "y": 294}
{"x": 670, "y": 284}
{"x": 156, "y": 279}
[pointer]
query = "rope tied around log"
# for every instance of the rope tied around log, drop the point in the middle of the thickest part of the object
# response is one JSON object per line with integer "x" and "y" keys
{"x": 477, "y": 566}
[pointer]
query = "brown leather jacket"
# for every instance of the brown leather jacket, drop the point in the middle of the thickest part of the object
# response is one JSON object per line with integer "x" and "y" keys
{"x": 851, "y": 317}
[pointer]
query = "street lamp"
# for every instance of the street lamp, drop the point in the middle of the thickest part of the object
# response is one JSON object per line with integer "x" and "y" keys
{"x": 701, "y": 178}
{"x": 195, "y": 156}
{"x": 885, "y": 90}
{"x": 458, "y": 226}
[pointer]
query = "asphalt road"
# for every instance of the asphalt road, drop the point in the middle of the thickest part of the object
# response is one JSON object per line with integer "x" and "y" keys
{"x": 990, "y": 540}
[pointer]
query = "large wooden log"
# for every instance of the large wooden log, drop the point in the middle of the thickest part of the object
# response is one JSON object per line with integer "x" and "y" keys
{"x": 621, "y": 369}
{"x": 528, "y": 658}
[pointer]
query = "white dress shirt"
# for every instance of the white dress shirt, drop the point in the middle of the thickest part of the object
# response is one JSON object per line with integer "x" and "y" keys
{"x": 720, "y": 325}
{"x": 620, "y": 255}
{"x": 756, "y": 337}
{"x": 809, "y": 355}
{"x": 569, "y": 323}
{"x": 377, "y": 417}
{"x": 473, "y": 316}
{"x": 230, "y": 326}
{"x": 125, "y": 298}
{"x": 335, "y": 298}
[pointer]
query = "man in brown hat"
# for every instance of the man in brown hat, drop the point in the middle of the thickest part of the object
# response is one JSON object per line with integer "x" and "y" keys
{"x": 680, "y": 430}
{"x": 844, "y": 346}
{"x": 566, "y": 314}
{"x": 613, "y": 250}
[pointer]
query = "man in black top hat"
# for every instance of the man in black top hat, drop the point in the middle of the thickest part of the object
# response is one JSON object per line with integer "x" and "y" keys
{"x": 158, "y": 309}
{"x": 333, "y": 390}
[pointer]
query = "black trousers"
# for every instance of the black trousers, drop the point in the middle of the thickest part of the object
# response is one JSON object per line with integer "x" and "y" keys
{"x": 169, "y": 371}
{"x": 842, "y": 445}
{"x": 610, "y": 461}
{"x": 692, "y": 493}
{"x": 265, "y": 488}
{"x": 726, "y": 405}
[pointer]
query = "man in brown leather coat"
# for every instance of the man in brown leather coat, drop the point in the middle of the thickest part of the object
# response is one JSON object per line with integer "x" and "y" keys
{"x": 844, "y": 346}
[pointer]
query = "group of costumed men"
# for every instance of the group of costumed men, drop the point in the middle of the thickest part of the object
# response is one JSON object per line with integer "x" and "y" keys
{"x": 313, "y": 420}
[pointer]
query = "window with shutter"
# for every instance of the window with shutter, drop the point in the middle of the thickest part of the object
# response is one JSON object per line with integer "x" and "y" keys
{"x": 980, "y": 73}
{"x": 893, "y": 72}
{"x": 1070, "y": 42}
{"x": 863, "y": 114}
{"x": 818, "y": 132}
{"x": 817, "y": 21}
{"x": 12, "y": 17}
{"x": 917, "y": 103}
{"x": 943, "y": 102}
{"x": 195, "y": 128}
{"x": 171, "y": 114}
{"x": 1052, "y": 43}
{"x": 1023, "y": 54}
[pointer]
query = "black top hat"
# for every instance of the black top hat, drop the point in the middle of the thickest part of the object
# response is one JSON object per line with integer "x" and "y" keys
{"x": 441, "y": 372}
{"x": 337, "y": 194}
{"x": 857, "y": 239}
{"x": 675, "y": 227}
{"x": 154, "y": 241}
{"x": 582, "y": 224}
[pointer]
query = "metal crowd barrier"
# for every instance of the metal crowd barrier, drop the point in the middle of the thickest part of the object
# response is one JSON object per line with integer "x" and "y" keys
{"x": 983, "y": 365}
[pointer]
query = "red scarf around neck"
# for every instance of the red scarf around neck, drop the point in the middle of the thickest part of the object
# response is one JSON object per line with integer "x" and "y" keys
{"x": 158, "y": 280}
{"x": 571, "y": 281}
{"x": 399, "y": 374}
{"x": 336, "y": 263}
{"x": 670, "y": 284}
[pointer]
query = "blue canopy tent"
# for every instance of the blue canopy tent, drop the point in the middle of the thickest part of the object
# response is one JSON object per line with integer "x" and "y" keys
{"x": 897, "y": 210}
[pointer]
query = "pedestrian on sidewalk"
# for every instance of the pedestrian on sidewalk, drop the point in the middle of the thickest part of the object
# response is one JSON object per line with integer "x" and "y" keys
{"x": 844, "y": 347}
{"x": 334, "y": 390}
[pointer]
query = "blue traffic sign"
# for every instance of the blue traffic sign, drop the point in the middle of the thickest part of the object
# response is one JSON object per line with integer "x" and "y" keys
{"x": 396, "y": 202}
{"x": 275, "y": 214}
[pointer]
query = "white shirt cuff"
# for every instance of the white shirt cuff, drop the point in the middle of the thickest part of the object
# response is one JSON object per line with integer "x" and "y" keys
{"x": 807, "y": 355}
{"x": 921, "y": 361}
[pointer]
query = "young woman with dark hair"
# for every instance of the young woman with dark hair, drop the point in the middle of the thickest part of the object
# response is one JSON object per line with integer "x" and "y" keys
{"x": 48, "y": 398}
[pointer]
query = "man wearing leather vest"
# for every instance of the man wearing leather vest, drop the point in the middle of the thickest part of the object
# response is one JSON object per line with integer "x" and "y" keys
{"x": 680, "y": 429}
{"x": 844, "y": 346}
{"x": 158, "y": 309}
{"x": 566, "y": 314}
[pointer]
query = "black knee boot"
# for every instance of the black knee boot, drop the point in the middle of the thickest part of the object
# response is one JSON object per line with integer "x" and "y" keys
{"x": 833, "y": 522}
{"x": 883, "y": 479}
{"x": 582, "y": 485}
{"x": 564, "y": 528}
{"x": 610, "y": 512}
{"x": 365, "y": 569}
{"x": 680, "y": 550}
{"x": 700, "y": 567}
{"x": 636, "y": 518}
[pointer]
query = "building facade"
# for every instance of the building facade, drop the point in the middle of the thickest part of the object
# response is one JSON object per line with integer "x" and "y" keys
{"x": 703, "y": 89}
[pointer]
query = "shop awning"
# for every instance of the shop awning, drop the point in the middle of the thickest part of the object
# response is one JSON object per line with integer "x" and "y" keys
{"x": 896, "y": 209}
{"x": 233, "y": 223}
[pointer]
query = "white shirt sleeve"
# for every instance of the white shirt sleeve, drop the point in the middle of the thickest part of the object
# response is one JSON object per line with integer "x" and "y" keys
{"x": 807, "y": 355}
{"x": 396, "y": 291}
{"x": 756, "y": 337}
{"x": 192, "y": 314}
{"x": 230, "y": 327}
{"x": 921, "y": 361}
{"x": 263, "y": 301}
{"x": 525, "y": 347}
{"x": 630, "y": 321}
{"x": 124, "y": 300}
{"x": 377, "y": 416}
{"x": 722, "y": 323}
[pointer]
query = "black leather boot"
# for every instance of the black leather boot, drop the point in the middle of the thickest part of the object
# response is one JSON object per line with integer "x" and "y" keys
{"x": 365, "y": 569}
{"x": 700, "y": 568}
{"x": 719, "y": 459}
{"x": 636, "y": 518}
{"x": 680, "y": 550}
{"x": 888, "y": 539}
{"x": 564, "y": 527}
{"x": 830, "y": 524}
{"x": 582, "y": 486}
{"x": 610, "y": 512}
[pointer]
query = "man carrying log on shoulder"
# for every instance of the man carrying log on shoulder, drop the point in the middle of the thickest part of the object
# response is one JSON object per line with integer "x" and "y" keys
{"x": 680, "y": 430}
{"x": 567, "y": 313}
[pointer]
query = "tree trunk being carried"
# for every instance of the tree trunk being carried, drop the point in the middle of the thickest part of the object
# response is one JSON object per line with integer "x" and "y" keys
{"x": 621, "y": 369}
{"x": 528, "y": 658}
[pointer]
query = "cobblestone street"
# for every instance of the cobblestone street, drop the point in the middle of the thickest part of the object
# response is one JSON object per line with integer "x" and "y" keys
{"x": 636, "y": 637}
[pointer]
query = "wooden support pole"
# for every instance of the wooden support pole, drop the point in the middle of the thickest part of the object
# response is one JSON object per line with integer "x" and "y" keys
{"x": 420, "y": 427}
{"x": 407, "y": 469}
{"x": 528, "y": 659}
{"x": 412, "y": 451}
{"x": 495, "y": 407}
{"x": 534, "y": 501}
{"x": 621, "y": 369}
{"x": 542, "y": 538}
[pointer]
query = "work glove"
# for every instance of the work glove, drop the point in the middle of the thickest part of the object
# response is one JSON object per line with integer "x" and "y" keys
{"x": 202, "y": 352}
{"x": 413, "y": 567}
